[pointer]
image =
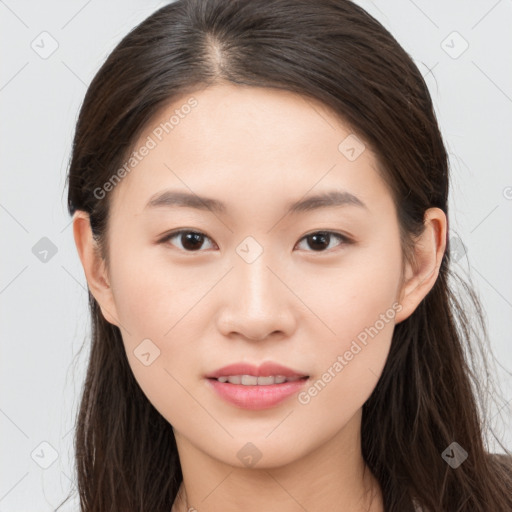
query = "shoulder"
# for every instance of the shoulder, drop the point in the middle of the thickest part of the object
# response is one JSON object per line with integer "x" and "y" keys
{"x": 501, "y": 459}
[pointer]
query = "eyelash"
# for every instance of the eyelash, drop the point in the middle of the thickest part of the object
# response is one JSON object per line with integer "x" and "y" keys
{"x": 342, "y": 238}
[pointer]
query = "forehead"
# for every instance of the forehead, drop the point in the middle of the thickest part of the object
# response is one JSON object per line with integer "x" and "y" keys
{"x": 250, "y": 145}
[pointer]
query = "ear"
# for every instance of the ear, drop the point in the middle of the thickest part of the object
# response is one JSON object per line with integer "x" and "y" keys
{"x": 94, "y": 266}
{"x": 422, "y": 273}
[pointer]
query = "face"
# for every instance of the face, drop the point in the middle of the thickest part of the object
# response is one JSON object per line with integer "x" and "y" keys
{"x": 314, "y": 288}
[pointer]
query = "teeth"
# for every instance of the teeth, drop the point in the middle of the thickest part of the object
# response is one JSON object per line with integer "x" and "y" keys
{"x": 251, "y": 380}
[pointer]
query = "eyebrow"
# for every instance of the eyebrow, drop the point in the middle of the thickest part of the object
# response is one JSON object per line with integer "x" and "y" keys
{"x": 329, "y": 199}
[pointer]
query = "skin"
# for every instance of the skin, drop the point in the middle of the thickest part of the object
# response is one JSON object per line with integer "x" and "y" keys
{"x": 257, "y": 150}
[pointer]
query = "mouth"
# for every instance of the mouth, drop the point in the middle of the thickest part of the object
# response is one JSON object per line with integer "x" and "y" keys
{"x": 252, "y": 392}
{"x": 247, "y": 374}
{"x": 256, "y": 387}
{"x": 252, "y": 380}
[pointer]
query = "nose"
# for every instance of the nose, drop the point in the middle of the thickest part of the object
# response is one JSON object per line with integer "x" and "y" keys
{"x": 257, "y": 303}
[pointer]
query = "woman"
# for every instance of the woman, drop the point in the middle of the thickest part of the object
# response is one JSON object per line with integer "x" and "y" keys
{"x": 259, "y": 194}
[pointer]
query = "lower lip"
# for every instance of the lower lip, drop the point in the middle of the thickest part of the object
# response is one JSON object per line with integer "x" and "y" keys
{"x": 256, "y": 397}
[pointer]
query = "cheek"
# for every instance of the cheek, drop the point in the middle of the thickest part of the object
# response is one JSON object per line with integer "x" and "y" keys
{"x": 355, "y": 294}
{"x": 357, "y": 305}
{"x": 150, "y": 299}
{"x": 165, "y": 303}
{"x": 149, "y": 292}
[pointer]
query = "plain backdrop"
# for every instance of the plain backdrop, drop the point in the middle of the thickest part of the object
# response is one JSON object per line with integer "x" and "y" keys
{"x": 51, "y": 51}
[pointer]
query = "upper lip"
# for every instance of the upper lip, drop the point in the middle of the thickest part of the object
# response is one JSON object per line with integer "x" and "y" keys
{"x": 264, "y": 370}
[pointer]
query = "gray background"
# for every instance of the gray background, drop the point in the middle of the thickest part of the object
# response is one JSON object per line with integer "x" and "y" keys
{"x": 43, "y": 299}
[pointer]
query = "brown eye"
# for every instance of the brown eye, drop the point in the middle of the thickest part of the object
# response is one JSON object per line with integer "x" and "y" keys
{"x": 193, "y": 241}
{"x": 320, "y": 241}
{"x": 190, "y": 241}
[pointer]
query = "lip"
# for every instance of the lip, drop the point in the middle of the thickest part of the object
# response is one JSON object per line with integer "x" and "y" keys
{"x": 264, "y": 370}
{"x": 256, "y": 397}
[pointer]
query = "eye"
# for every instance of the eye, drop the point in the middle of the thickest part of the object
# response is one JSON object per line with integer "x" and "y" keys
{"x": 320, "y": 240}
{"x": 190, "y": 240}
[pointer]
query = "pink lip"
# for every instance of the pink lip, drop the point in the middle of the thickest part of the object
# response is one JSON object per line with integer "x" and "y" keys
{"x": 265, "y": 370}
{"x": 255, "y": 397}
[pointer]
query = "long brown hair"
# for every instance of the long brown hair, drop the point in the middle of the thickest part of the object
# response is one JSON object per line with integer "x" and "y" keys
{"x": 430, "y": 393}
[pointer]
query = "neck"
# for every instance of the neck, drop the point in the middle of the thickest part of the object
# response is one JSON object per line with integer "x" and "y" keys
{"x": 331, "y": 477}
{"x": 371, "y": 500}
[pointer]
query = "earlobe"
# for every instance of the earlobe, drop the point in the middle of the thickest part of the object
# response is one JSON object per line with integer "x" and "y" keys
{"x": 421, "y": 274}
{"x": 94, "y": 266}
